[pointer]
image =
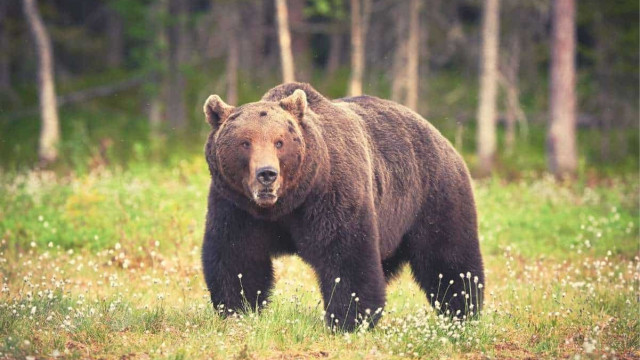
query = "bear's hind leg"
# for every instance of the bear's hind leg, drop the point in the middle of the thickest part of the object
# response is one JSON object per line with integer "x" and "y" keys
{"x": 351, "y": 276}
{"x": 392, "y": 265}
{"x": 445, "y": 288}
{"x": 445, "y": 260}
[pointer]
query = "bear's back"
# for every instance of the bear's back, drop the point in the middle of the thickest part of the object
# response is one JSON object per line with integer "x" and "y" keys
{"x": 402, "y": 140}
{"x": 402, "y": 153}
{"x": 409, "y": 157}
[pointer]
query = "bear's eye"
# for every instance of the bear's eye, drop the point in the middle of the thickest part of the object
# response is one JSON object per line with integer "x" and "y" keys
{"x": 245, "y": 144}
{"x": 279, "y": 144}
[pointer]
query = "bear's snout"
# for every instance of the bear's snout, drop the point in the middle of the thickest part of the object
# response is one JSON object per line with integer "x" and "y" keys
{"x": 267, "y": 175}
{"x": 265, "y": 187}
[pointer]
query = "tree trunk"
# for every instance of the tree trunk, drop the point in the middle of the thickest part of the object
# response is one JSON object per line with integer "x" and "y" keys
{"x": 155, "y": 117}
{"x": 284, "y": 38}
{"x": 359, "y": 22}
{"x": 115, "y": 39}
{"x": 398, "y": 82}
{"x": 178, "y": 51}
{"x": 511, "y": 66}
{"x": 425, "y": 62}
{"x": 5, "y": 69}
{"x": 357, "y": 50}
{"x": 232, "y": 73}
{"x": 413, "y": 55}
{"x": 157, "y": 93}
{"x": 232, "y": 55}
{"x": 510, "y": 119}
{"x": 399, "y": 73}
{"x": 300, "y": 41}
{"x": 561, "y": 135}
{"x": 406, "y": 61}
{"x": 606, "y": 98}
{"x": 335, "y": 53}
{"x": 486, "y": 135}
{"x": 50, "y": 130}
{"x": 258, "y": 37}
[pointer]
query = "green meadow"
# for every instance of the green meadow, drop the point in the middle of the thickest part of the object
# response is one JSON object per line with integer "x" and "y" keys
{"x": 106, "y": 264}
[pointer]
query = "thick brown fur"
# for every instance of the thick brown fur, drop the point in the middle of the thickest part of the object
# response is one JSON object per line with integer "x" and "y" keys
{"x": 364, "y": 186}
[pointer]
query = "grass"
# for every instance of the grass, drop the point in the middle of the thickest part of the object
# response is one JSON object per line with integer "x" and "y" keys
{"x": 105, "y": 264}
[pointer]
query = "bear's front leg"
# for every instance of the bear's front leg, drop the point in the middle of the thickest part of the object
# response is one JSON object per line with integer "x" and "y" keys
{"x": 351, "y": 277}
{"x": 236, "y": 259}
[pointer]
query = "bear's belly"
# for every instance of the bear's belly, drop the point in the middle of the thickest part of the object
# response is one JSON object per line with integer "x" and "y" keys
{"x": 395, "y": 218}
{"x": 391, "y": 234}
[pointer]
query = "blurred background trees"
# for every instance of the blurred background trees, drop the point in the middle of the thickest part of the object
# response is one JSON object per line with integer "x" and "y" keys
{"x": 561, "y": 139}
{"x": 50, "y": 127}
{"x": 360, "y": 13}
{"x": 486, "y": 138}
{"x": 131, "y": 75}
{"x": 284, "y": 39}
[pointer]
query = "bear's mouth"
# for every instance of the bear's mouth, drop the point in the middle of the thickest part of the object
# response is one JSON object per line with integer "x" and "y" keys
{"x": 265, "y": 197}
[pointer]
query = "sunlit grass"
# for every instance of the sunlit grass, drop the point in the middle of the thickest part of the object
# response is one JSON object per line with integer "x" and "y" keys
{"x": 107, "y": 264}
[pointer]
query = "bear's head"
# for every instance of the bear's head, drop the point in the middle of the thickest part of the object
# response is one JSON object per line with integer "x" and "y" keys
{"x": 258, "y": 148}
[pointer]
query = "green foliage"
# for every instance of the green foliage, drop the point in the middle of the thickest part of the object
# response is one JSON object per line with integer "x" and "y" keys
{"x": 331, "y": 9}
{"x": 144, "y": 22}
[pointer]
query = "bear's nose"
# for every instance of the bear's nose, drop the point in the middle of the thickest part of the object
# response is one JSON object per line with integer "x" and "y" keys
{"x": 267, "y": 175}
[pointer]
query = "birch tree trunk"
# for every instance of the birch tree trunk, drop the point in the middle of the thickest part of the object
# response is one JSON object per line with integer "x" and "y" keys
{"x": 486, "y": 135}
{"x": 425, "y": 57}
{"x": 398, "y": 83}
{"x": 511, "y": 66}
{"x": 399, "y": 68}
{"x": 178, "y": 53}
{"x": 232, "y": 55}
{"x": 50, "y": 129}
{"x": 335, "y": 52}
{"x": 156, "y": 109}
{"x": 232, "y": 74}
{"x": 284, "y": 38}
{"x": 561, "y": 134}
{"x": 406, "y": 61}
{"x": 413, "y": 55}
{"x": 357, "y": 50}
{"x": 360, "y": 13}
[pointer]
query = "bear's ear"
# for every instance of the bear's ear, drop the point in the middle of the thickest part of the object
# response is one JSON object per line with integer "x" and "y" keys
{"x": 216, "y": 111}
{"x": 295, "y": 103}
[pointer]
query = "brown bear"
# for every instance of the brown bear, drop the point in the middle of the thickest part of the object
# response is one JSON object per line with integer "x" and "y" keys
{"x": 356, "y": 187}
